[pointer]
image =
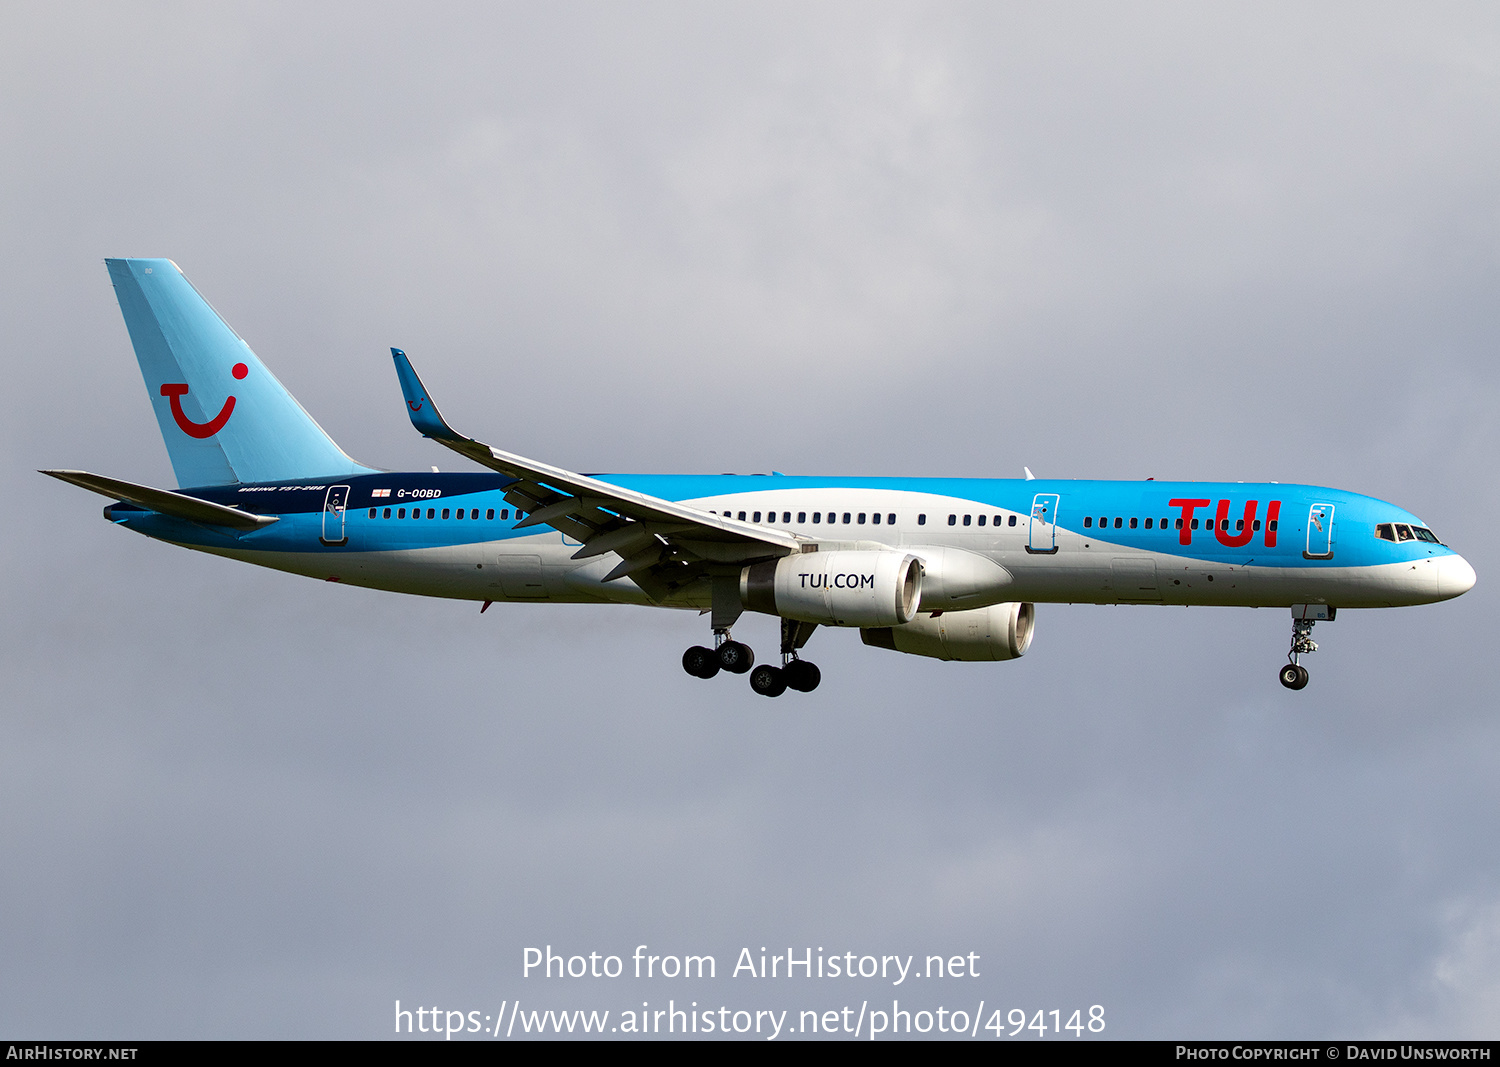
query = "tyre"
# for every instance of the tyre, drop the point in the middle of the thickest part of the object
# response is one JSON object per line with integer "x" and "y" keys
{"x": 1291, "y": 676}
{"x": 700, "y": 662}
{"x": 736, "y": 658}
{"x": 768, "y": 681}
{"x": 802, "y": 675}
{"x": 1301, "y": 677}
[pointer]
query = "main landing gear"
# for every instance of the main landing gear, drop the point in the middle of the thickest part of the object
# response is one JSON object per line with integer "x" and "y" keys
{"x": 1294, "y": 675}
{"x": 737, "y": 658}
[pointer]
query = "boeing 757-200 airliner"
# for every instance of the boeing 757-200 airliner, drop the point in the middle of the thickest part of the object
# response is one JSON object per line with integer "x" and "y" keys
{"x": 944, "y": 567}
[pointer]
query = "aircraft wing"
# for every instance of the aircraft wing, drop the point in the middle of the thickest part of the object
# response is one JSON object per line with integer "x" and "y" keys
{"x": 164, "y": 501}
{"x": 662, "y": 544}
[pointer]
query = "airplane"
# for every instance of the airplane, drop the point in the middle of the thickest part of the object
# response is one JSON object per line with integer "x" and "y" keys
{"x": 948, "y": 568}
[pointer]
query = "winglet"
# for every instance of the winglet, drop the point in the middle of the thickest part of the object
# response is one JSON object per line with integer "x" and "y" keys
{"x": 424, "y": 413}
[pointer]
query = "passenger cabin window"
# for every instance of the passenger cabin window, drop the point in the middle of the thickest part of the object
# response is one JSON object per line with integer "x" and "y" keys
{"x": 846, "y": 518}
{"x": 968, "y": 520}
{"x": 1132, "y": 524}
{"x": 875, "y": 518}
{"x": 801, "y": 516}
{"x": 756, "y": 519}
{"x": 861, "y": 518}
{"x": 1088, "y": 521}
{"x": 981, "y": 520}
{"x": 400, "y": 513}
{"x": 387, "y": 514}
{"x": 445, "y": 513}
{"x": 952, "y": 520}
{"x": 490, "y": 514}
{"x": 1119, "y": 522}
{"x": 1011, "y": 521}
{"x": 890, "y": 519}
{"x": 372, "y": 513}
{"x": 921, "y": 520}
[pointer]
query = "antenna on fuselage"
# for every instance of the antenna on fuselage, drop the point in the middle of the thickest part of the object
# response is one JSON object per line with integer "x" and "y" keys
{"x": 1029, "y": 476}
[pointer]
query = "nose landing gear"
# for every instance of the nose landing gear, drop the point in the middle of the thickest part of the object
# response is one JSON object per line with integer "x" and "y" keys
{"x": 1294, "y": 675}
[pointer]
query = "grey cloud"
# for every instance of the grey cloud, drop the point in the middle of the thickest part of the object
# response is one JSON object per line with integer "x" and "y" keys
{"x": 1246, "y": 242}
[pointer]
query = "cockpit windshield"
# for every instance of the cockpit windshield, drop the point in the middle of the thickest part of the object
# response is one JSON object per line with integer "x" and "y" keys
{"x": 1400, "y": 531}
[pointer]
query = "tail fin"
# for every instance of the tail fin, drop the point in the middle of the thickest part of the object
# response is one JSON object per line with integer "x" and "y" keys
{"x": 225, "y": 418}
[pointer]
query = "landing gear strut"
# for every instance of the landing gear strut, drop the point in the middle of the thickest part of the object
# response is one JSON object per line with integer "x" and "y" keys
{"x": 727, "y": 655}
{"x": 1294, "y": 675}
{"x": 794, "y": 672}
{"x": 737, "y": 658}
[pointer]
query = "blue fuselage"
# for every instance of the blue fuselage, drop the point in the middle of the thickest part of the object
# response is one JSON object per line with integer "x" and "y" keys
{"x": 1226, "y": 543}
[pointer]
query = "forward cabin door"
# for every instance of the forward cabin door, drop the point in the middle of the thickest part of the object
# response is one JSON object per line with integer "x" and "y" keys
{"x": 334, "y": 506}
{"x": 1319, "y": 532}
{"x": 1044, "y": 523}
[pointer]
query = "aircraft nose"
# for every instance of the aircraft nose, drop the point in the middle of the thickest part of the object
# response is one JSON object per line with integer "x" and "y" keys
{"x": 1455, "y": 576}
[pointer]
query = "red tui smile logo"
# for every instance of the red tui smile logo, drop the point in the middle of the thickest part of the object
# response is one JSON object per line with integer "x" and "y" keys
{"x": 200, "y": 430}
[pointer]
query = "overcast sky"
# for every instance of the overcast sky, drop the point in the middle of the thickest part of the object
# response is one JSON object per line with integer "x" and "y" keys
{"x": 1171, "y": 240}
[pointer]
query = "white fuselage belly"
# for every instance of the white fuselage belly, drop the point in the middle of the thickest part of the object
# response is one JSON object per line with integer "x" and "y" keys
{"x": 528, "y": 569}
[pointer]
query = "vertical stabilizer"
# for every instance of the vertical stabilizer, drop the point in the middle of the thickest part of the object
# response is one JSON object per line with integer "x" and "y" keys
{"x": 224, "y": 417}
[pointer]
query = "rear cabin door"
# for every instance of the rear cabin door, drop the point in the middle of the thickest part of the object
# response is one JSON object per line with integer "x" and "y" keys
{"x": 334, "y": 506}
{"x": 1043, "y": 523}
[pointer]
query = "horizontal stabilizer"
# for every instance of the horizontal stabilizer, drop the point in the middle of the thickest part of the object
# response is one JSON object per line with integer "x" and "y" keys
{"x": 165, "y": 502}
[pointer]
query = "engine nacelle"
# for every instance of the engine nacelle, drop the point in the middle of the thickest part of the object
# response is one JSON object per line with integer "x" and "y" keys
{"x": 1000, "y": 631}
{"x": 849, "y": 588}
{"x": 956, "y": 580}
